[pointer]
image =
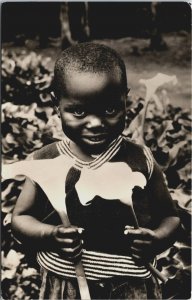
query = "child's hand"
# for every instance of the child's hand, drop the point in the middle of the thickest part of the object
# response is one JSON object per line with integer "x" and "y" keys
{"x": 143, "y": 243}
{"x": 68, "y": 240}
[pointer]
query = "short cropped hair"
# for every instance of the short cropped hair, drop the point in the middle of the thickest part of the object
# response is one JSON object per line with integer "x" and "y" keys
{"x": 87, "y": 57}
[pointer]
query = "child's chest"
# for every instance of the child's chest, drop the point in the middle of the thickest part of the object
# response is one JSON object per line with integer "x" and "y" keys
{"x": 105, "y": 213}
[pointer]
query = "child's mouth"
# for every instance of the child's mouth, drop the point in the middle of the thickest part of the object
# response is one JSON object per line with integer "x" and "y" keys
{"x": 95, "y": 139}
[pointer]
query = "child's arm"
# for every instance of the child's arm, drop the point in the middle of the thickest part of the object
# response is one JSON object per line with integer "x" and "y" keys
{"x": 147, "y": 243}
{"x": 28, "y": 228}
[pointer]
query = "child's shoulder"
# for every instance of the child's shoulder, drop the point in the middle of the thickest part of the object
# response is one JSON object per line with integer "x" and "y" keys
{"x": 132, "y": 144}
{"x": 134, "y": 149}
{"x": 47, "y": 152}
{"x": 138, "y": 156}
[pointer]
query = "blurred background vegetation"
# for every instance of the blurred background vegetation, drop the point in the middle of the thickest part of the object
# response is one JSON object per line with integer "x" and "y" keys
{"x": 152, "y": 37}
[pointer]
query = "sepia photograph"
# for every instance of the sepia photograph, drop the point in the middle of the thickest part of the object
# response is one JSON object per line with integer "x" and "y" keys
{"x": 96, "y": 150}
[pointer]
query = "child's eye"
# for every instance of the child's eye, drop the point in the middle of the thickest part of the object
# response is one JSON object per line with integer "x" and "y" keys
{"x": 79, "y": 113}
{"x": 110, "y": 111}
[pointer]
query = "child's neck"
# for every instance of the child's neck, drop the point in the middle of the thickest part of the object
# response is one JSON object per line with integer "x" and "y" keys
{"x": 79, "y": 153}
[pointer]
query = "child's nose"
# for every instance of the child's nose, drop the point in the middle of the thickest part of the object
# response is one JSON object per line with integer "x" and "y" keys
{"x": 94, "y": 121}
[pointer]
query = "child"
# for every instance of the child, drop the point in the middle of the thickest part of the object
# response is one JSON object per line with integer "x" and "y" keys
{"x": 90, "y": 92}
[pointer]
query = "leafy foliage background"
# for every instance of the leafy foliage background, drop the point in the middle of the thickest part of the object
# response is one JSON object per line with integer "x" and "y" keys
{"x": 29, "y": 122}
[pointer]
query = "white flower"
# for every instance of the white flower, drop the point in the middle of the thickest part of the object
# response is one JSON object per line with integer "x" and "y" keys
{"x": 12, "y": 260}
{"x": 29, "y": 272}
{"x": 8, "y": 274}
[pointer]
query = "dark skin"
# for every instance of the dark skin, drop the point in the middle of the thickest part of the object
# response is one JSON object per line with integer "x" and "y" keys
{"x": 147, "y": 243}
{"x": 92, "y": 113}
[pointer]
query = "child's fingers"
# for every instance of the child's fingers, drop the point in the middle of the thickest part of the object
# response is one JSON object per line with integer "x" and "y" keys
{"x": 137, "y": 258}
{"x": 141, "y": 233}
{"x": 136, "y": 251}
{"x": 73, "y": 250}
{"x": 68, "y": 242}
{"x": 75, "y": 258}
{"x": 67, "y": 230}
{"x": 138, "y": 255}
{"x": 72, "y": 253}
{"x": 141, "y": 243}
{"x": 80, "y": 230}
{"x": 133, "y": 232}
{"x": 142, "y": 251}
{"x": 129, "y": 227}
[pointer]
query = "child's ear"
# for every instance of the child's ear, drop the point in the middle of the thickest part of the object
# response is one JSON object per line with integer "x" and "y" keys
{"x": 127, "y": 98}
{"x": 55, "y": 103}
{"x": 128, "y": 90}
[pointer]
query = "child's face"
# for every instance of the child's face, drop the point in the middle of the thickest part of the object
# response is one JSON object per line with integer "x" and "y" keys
{"x": 93, "y": 109}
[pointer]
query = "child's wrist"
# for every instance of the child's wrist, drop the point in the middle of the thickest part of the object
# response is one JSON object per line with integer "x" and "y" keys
{"x": 46, "y": 234}
{"x": 160, "y": 240}
{"x": 160, "y": 234}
